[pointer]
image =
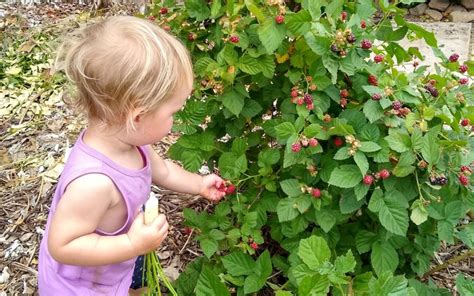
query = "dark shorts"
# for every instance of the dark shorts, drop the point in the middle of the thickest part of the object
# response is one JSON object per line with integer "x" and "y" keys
{"x": 138, "y": 281}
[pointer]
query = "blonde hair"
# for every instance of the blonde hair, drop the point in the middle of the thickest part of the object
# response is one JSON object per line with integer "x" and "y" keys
{"x": 120, "y": 64}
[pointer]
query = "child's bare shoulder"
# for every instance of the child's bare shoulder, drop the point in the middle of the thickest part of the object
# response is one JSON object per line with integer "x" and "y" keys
{"x": 91, "y": 186}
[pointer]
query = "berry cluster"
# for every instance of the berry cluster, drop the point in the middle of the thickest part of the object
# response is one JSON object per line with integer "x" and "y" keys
{"x": 378, "y": 58}
{"x": 300, "y": 98}
{"x": 366, "y": 44}
{"x": 355, "y": 144}
{"x": 432, "y": 89}
{"x": 279, "y": 19}
{"x": 463, "y": 68}
{"x": 234, "y": 39}
{"x": 464, "y": 175}
{"x": 304, "y": 142}
{"x": 343, "y": 94}
{"x": 227, "y": 187}
{"x": 453, "y": 58}
{"x": 465, "y": 122}
{"x": 464, "y": 81}
{"x": 342, "y": 41}
{"x": 376, "y": 97}
{"x": 315, "y": 192}
{"x": 439, "y": 180}
{"x": 381, "y": 175}
{"x": 338, "y": 142}
{"x": 372, "y": 80}
{"x": 399, "y": 110}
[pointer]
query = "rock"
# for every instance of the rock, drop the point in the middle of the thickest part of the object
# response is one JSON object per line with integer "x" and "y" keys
{"x": 434, "y": 14}
{"x": 461, "y": 16}
{"x": 440, "y": 5}
{"x": 469, "y": 4}
{"x": 455, "y": 8}
{"x": 419, "y": 9}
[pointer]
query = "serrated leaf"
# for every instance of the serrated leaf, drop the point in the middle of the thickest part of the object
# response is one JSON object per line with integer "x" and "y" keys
{"x": 210, "y": 284}
{"x": 314, "y": 251}
{"x": 287, "y": 209}
{"x": 345, "y": 176}
{"x": 384, "y": 258}
{"x": 362, "y": 162}
{"x": 233, "y": 101}
{"x": 368, "y": 146}
{"x": 271, "y": 35}
{"x": 373, "y": 111}
{"x": 364, "y": 241}
{"x": 238, "y": 263}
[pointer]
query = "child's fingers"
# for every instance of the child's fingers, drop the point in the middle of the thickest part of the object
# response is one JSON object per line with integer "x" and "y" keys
{"x": 160, "y": 221}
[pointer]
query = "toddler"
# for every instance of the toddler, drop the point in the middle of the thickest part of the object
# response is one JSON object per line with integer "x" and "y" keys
{"x": 129, "y": 77}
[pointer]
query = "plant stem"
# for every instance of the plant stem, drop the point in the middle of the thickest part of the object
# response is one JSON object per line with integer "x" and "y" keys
{"x": 418, "y": 185}
{"x": 448, "y": 263}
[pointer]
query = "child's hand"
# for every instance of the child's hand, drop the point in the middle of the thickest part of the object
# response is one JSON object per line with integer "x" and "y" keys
{"x": 146, "y": 238}
{"x": 210, "y": 187}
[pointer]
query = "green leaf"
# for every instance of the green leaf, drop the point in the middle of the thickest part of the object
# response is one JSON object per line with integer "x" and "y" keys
{"x": 364, "y": 241}
{"x": 291, "y": 187}
{"x": 398, "y": 141}
{"x": 253, "y": 8}
{"x": 367, "y": 146}
{"x": 345, "y": 263}
{"x": 361, "y": 191}
{"x": 209, "y": 247}
{"x": 197, "y": 9}
{"x": 362, "y": 162}
{"x": 430, "y": 149}
{"x": 314, "y": 285}
{"x": 345, "y": 176}
{"x": 238, "y": 263}
{"x": 210, "y": 284}
{"x": 268, "y": 157}
{"x": 334, "y": 8}
{"x": 332, "y": 66}
{"x": 271, "y": 35}
{"x": 453, "y": 211}
{"x": 342, "y": 153}
{"x": 314, "y": 8}
{"x": 383, "y": 257}
{"x": 233, "y": 101}
{"x": 373, "y": 111}
{"x": 249, "y": 65}
{"x": 326, "y": 219}
{"x": 465, "y": 286}
{"x": 376, "y": 200}
{"x": 285, "y": 130}
{"x": 258, "y": 278}
{"x": 287, "y": 209}
{"x": 314, "y": 251}
{"x": 388, "y": 285}
{"x": 365, "y": 9}
{"x": 429, "y": 37}
{"x": 318, "y": 44}
{"x": 418, "y": 212}
{"x": 393, "y": 214}
{"x": 298, "y": 23}
{"x": 191, "y": 160}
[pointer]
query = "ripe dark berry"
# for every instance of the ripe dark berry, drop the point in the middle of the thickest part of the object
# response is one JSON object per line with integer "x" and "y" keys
{"x": 344, "y": 93}
{"x": 334, "y": 48}
{"x": 463, "y": 68}
{"x": 368, "y": 180}
{"x": 294, "y": 93}
{"x": 366, "y": 44}
{"x": 316, "y": 193}
{"x": 438, "y": 180}
{"x": 465, "y": 122}
{"x": 308, "y": 99}
{"x": 163, "y": 10}
{"x": 384, "y": 174}
{"x": 396, "y": 105}
{"x": 313, "y": 142}
{"x": 464, "y": 180}
{"x": 463, "y": 81}
{"x": 338, "y": 142}
{"x": 372, "y": 80}
{"x": 254, "y": 245}
{"x": 378, "y": 58}
{"x": 415, "y": 64}
{"x": 234, "y": 39}
{"x": 453, "y": 58}
{"x": 351, "y": 38}
{"x": 432, "y": 90}
{"x": 296, "y": 147}
{"x": 279, "y": 19}
{"x": 343, "y": 15}
{"x": 376, "y": 97}
{"x": 363, "y": 24}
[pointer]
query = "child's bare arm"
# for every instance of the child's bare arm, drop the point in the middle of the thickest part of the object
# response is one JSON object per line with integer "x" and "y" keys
{"x": 72, "y": 239}
{"x": 170, "y": 175}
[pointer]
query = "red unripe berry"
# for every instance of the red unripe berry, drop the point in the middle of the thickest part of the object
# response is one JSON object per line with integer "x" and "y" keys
{"x": 234, "y": 39}
{"x": 343, "y": 102}
{"x": 372, "y": 80}
{"x": 343, "y": 15}
{"x": 166, "y": 28}
{"x": 296, "y": 147}
{"x": 376, "y": 97}
{"x": 279, "y": 19}
{"x": 300, "y": 101}
{"x": 187, "y": 230}
{"x": 338, "y": 142}
{"x": 465, "y": 122}
{"x": 366, "y": 44}
{"x": 463, "y": 80}
{"x": 254, "y": 245}
{"x": 363, "y": 24}
{"x": 378, "y": 58}
{"x": 316, "y": 193}
{"x": 313, "y": 142}
{"x": 163, "y": 10}
{"x": 466, "y": 169}
{"x": 191, "y": 36}
{"x": 152, "y": 18}
{"x": 310, "y": 106}
{"x": 453, "y": 58}
{"x": 344, "y": 93}
{"x": 384, "y": 174}
{"x": 463, "y": 68}
{"x": 368, "y": 180}
{"x": 294, "y": 93}
{"x": 464, "y": 180}
{"x": 230, "y": 189}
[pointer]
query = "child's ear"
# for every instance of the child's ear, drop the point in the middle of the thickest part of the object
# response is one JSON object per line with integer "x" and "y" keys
{"x": 137, "y": 114}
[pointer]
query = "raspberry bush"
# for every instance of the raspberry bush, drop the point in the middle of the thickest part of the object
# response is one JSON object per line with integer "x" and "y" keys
{"x": 348, "y": 162}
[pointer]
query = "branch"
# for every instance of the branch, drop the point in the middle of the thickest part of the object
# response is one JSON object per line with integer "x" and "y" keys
{"x": 448, "y": 263}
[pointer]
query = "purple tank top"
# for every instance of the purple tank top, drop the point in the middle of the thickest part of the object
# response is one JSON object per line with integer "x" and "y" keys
{"x": 55, "y": 278}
